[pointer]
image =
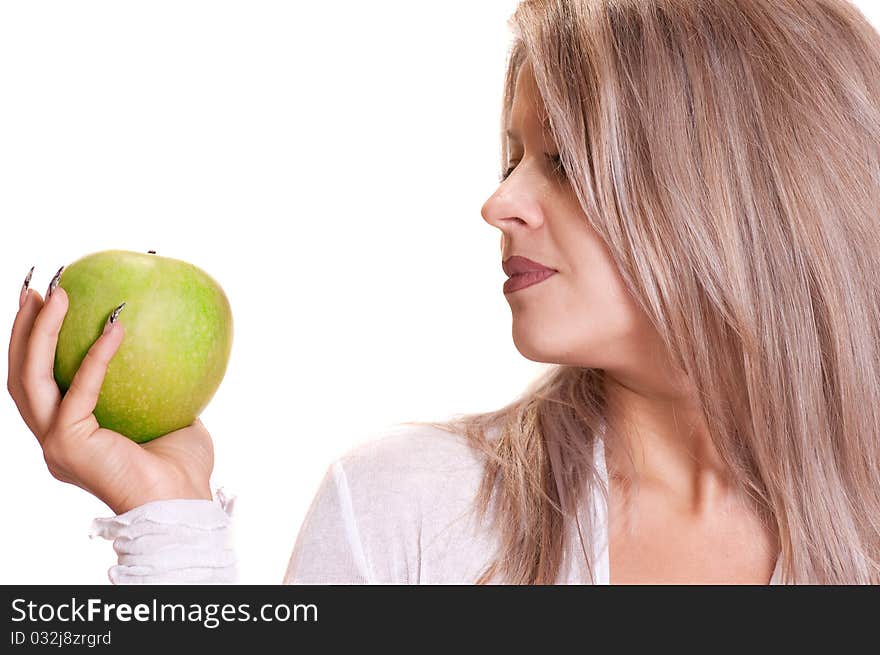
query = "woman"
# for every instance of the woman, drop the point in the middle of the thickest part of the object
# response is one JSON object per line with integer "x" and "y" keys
{"x": 689, "y": 219}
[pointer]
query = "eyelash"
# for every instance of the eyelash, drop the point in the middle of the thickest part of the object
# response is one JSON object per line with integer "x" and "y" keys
{"x": 555, "y": 160}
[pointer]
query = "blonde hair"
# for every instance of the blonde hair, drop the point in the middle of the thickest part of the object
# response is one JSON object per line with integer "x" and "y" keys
{"x": 728, "y": 153}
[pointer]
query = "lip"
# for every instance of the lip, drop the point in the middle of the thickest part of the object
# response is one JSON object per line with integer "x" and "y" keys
{"x": 523, "y": 272}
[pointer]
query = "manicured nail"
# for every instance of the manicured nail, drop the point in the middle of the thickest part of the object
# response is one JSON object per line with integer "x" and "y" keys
{"x": 54, "y": 283}
{"x": 24, "y": 288}
{"x": 114, "y": 316}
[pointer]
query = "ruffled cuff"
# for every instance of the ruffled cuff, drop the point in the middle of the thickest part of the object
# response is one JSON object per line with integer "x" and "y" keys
{"x": 172, "y": 542}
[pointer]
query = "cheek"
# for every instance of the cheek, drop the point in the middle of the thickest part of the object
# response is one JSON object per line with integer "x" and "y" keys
{"x": 604, "y": 297}
{"x": 598, "y": 316}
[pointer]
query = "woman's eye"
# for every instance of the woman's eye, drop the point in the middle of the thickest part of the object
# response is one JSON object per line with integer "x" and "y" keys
{"x": 555, "y": 163}
{"x": 558, "y": 166}
{"x": 506, "y": 173}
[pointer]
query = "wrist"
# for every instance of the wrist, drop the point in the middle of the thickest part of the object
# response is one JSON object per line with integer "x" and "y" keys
{"x": 175, "y": 493}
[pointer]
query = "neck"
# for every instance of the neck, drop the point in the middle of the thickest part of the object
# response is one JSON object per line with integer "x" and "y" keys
{"x": 661, "y": 439}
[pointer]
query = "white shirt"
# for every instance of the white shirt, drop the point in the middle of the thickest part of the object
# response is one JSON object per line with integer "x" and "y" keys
{"x": 396, "y": 510}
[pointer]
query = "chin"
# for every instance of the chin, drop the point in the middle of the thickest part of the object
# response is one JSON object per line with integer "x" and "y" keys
{"x": 554, "y": 348}
{"x": 537, "y": 346}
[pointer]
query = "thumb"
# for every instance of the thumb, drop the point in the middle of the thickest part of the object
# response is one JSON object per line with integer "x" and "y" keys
{"x": 82, "y": 396}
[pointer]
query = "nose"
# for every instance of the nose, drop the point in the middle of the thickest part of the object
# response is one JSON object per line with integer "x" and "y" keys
{"x": 511, "y": 206}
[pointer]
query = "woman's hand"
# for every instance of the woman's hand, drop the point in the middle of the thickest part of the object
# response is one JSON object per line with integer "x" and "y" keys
{"x": 77, "y": 450}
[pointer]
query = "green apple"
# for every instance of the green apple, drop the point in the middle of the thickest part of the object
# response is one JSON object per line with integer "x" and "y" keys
{"x": 178, "y": 338}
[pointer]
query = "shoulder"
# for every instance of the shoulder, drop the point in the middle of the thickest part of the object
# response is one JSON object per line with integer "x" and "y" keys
{"x": 411, "y": 494}
{"x": 410, "y": 448}
{"x": 394, "y": 509}
{"x": 408, "y": 464}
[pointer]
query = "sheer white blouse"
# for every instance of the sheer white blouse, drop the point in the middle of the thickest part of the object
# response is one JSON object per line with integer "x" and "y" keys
{"x": 396, "y": 510}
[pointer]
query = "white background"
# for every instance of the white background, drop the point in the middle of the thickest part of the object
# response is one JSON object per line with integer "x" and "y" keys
{"x": 326, "y": 163}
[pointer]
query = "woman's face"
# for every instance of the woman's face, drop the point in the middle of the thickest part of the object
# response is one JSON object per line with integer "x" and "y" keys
{"x": 582, "y": 315}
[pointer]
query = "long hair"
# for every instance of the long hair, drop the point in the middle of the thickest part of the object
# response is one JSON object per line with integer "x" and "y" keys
{"x": 728, "y": 154}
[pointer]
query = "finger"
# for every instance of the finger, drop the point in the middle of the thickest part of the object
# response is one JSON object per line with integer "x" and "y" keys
{"x": 22, "y": 296}
{"x": 37, "y": 376}
{"x": 21, "y": 331}
{"x": 82, "y": 396}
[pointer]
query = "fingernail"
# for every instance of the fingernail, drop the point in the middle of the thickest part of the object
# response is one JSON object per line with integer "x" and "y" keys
{"x": 114, "y": 316}
{"x": 24, "y": 288}
{"x": 54, "y": 283}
